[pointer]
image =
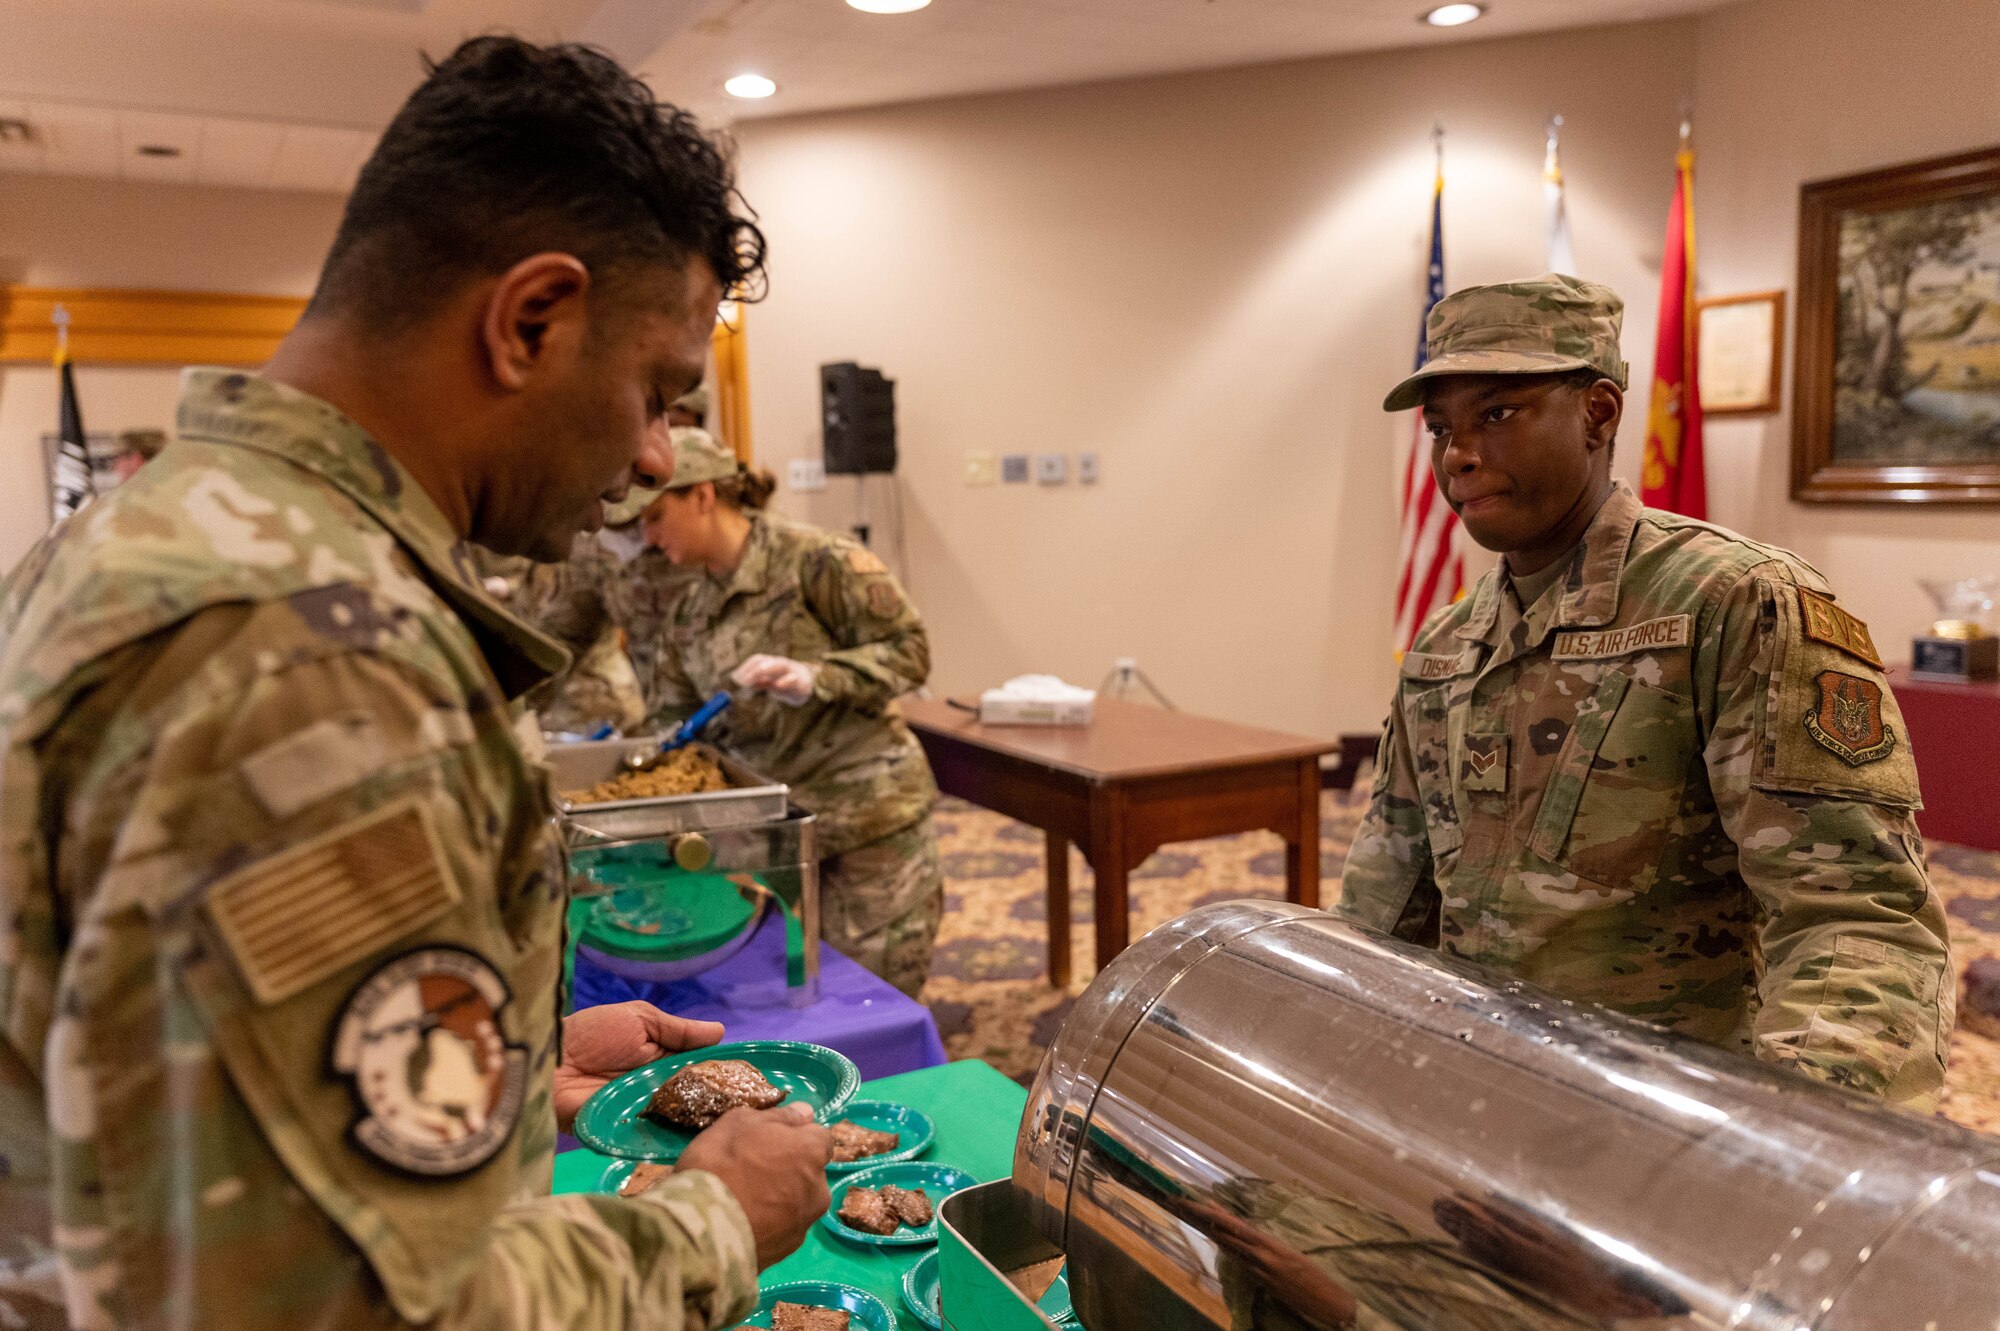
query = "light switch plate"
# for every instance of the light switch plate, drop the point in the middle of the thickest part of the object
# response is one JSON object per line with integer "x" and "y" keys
{"x": 982, "y": 469}
{"x": 807, "y": 474}
{"x": 1014, "y": 468}
{"x": 1051, "y": 468}
{"x": 1086, "y": 468}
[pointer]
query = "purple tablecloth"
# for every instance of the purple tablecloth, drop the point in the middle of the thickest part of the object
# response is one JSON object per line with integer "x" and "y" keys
{"x": 883, "y": 1031}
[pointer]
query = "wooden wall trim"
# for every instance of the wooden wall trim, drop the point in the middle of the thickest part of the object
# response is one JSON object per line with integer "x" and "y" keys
{"x": 127, "y": 327}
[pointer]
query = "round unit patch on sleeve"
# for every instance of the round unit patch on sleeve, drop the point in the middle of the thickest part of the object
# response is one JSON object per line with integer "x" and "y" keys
{"x": 439, "y": 1086}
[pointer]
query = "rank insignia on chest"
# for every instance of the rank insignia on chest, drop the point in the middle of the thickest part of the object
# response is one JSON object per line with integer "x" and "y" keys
{"x": 1483, "y": 764}
{"x": 1848, "y": 720}
{"x": 439, "y": 1086}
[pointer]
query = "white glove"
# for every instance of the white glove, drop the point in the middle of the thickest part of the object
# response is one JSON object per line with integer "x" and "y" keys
{"x": 789, "y": 681}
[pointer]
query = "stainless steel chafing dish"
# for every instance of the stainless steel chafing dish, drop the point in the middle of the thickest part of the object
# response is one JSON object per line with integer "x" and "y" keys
{"x": 759, "y": 854}
{"x": 751, "y": 797}
{"x": 1261, "y": 1116}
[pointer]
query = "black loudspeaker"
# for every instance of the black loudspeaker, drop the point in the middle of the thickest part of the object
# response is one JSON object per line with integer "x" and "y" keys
{"x": 857, "y": 420}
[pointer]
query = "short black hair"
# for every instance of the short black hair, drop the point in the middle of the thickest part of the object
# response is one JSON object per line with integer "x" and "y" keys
{"x": 510, "y": 149}
{"x": 1580, "y": 380}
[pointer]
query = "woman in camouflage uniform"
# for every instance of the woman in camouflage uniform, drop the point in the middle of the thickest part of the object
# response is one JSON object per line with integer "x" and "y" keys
{"x": 816, "y": 639}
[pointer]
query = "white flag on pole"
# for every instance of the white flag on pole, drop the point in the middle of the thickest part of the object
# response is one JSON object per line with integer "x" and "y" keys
{"x": 1562, "y": 258}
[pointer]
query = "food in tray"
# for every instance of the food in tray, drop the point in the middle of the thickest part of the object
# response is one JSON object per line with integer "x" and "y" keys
{"x": 643, "y": 1177}
{"x": 884, "y": 1210}
{"x": 851, "y": 1142}
{"x": 911, "y": 1205}
{"x": 682, "y": 772}
{"x": 700, "y": 1093}
{"x": 805, "y": 1317}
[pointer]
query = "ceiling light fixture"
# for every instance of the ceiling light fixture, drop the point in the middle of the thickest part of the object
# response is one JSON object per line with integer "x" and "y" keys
{"x": 157, "y": 150}
{"x": 750, "y": 85}
{"x": 888, "y": 6}
{"x": 1452, "y": 16}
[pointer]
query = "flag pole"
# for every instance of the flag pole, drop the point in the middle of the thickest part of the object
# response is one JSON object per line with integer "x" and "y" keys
{"x": 60, "y": 318}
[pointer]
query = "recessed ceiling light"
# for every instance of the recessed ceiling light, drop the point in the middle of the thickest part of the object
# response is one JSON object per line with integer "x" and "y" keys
{"x": 157, "y": 150}
{"x": 888, "y": 6}
{"x": 750, "y": 85}
{"x": 1451, "y": 16}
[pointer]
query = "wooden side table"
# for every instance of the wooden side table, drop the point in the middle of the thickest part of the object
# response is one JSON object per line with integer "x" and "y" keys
{"x": 1122, "y": 787}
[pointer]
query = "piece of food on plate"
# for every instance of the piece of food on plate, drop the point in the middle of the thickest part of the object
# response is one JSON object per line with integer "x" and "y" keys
{"x": 805, "y": 1317}
{"x": 643, "y": 1177}
{"x": 867, "y": 1210}
{"x": 700, "y": 1093}
{"x": 912, "y": 1206}
{"x": 851, "y": 1141}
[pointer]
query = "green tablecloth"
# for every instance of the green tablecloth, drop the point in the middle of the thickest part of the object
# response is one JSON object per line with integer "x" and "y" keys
{"x": 977, "y": 1112}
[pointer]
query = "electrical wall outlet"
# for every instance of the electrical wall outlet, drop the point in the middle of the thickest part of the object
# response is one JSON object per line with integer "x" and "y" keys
{"x": 1051, "y": 468}
{"x": 807, "y": 474}
{"x": 982, "y": 469}
{"x": 1014, "y": 468}
{"x": 1086, "y": 468}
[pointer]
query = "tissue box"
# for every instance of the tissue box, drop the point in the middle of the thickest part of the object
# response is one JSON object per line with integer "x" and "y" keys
{"x": 1036, "y": 700}
{"x": 1003, "y": 709}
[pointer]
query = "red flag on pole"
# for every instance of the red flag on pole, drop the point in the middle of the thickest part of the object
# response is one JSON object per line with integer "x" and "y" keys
{"x": 1433, "y": 572}
{"x": 1672, "y": 476}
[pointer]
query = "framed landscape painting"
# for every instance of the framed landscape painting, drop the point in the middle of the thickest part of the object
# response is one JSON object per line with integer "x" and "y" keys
{"x": 1898, "y": 344}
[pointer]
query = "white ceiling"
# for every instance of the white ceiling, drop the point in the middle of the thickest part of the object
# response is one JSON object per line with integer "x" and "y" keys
{"x": 289, "y": 94}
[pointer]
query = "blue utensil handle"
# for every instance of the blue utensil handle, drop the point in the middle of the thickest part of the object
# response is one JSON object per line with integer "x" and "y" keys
{"x": 697, "y": 723}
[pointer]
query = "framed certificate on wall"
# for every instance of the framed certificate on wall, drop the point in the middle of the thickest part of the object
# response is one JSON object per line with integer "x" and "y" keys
{"x": 1739, "y": 340}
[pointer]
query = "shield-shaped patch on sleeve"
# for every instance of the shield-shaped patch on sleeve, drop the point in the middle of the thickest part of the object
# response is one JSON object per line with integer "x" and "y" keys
{"x": 1848, "y": 720}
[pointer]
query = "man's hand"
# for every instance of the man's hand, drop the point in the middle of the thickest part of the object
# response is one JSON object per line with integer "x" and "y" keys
{"x": 600, "y": 1043}
{"x": 774, "y": 1162}
{"x": 788, "y": 681}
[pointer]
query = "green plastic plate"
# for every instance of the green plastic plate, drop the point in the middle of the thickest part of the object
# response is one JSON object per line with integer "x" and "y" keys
{"x": 867, "y": 1312}
{"x": 939, "y": 1181}
{"x": 922, "y": 1294}
{"x": 611, "y": 1120}
{"x": 916, "y": 1130}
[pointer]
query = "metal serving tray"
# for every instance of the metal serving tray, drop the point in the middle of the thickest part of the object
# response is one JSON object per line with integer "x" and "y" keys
{"x": 751, "y": 797}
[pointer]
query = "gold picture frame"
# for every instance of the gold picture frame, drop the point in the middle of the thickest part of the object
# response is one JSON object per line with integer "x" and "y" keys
{"x": 1741, "y": 347}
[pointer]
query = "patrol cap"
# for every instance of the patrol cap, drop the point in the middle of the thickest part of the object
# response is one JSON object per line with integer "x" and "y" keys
{"x": 694, "y": 402}
{"x": 699, "y": 457}
{"x": 1544, "y": 325}
{"x": 632, "y": 505}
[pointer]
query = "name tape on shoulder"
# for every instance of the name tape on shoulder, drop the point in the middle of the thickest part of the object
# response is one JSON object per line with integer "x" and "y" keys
{"x": 1596, "y": 644}
{"x": 1823, "y": 621}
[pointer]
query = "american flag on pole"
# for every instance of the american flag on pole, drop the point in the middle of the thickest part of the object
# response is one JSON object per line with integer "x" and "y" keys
{"x": 1433, "y": 572}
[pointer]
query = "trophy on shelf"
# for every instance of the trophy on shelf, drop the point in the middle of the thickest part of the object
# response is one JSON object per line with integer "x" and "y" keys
{"x": 1960, "y": 645}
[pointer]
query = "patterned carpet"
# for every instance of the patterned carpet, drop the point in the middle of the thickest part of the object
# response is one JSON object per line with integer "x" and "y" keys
{"x": 992, "y": 1001}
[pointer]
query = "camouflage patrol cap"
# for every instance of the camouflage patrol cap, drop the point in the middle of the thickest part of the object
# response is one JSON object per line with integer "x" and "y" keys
{"x": 694, "y": 402}
{"x": 698, "y": 457}
{"x": 632, "y": 505}
{"x": 1544, "y": 325}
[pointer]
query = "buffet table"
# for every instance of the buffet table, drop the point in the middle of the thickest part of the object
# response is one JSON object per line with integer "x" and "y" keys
{"x": 977, "y": 1112}
{"x": 864, "y": 1017}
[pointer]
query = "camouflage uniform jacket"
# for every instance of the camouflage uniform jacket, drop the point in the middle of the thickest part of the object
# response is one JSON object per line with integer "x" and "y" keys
{"x": 583, "y": 603}
{"x": 824, "y": 599}
{"x": 1677, "y": 786}
{"x": 281, "y": 919}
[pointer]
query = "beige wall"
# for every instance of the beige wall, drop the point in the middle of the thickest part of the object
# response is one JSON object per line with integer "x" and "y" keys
{"x": 1798, "y": 90}
{"x": 59, "y": 232}
{"x": 1210, "y": 280}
